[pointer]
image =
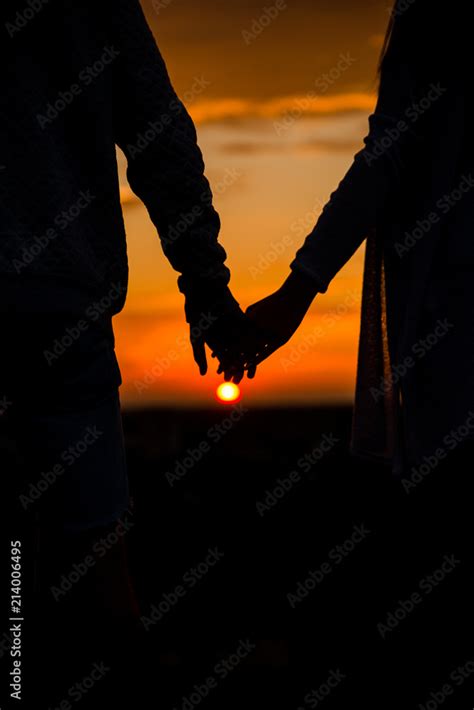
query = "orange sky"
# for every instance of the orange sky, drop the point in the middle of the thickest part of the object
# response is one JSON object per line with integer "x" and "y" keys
{"x": 280, "y": 115}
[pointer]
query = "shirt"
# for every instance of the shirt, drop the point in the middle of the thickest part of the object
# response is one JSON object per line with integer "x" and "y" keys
{"x": 79, "y": 78}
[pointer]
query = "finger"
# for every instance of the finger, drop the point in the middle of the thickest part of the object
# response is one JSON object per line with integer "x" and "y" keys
{"x": 199, "y": 353}
{"x": 224, "y": 364}
{"x": 251, "y": 370}
{"x": 226, "y": 368}
{"x": 233, "y": 369}
{"x": 233, "y": 373}
{"x": 239, "y": 376}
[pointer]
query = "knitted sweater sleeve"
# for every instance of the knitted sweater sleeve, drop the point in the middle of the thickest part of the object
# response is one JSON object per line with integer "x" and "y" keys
{"x": 165, "y": 164}
{"x": 364, "y": 194}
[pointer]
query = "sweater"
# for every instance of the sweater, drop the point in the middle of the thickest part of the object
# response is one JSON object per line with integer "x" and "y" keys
{"x": 409, "y": 195}
{"x": 78, "y": 79}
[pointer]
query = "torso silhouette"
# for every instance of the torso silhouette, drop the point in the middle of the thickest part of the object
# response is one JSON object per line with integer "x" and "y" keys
{"x": 412, "y": 189}
{"x": 77, "y": 79}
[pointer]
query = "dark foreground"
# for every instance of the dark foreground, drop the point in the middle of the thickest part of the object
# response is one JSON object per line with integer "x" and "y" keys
{"x": 273, "y": 570}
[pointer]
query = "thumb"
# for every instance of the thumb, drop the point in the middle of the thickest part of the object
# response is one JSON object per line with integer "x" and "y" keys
{"x": 252, "y": 310}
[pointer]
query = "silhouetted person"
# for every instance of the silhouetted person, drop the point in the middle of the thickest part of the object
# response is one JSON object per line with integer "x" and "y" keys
{"x": 77, "y": 80}
{"x": 410, "y": 193}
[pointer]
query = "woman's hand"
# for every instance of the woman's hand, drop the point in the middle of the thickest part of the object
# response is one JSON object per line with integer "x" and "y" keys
{"x": 233, "y": 340}
{"x": 280, "y": 315}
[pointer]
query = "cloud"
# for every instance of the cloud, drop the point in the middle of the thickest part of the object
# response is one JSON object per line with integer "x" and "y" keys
{"x": 234, "y": 109}
{"x": 317, "y": 145}
{"x": 250, "y": 148}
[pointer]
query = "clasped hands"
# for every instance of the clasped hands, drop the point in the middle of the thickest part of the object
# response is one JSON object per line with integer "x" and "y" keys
{"x": 242, "y": 341}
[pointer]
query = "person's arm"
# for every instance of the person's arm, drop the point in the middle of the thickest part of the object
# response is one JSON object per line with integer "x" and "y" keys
{"x": 355, "y": 206}
{"x": 372, "y": 180}
{"x": 165, "y": 165}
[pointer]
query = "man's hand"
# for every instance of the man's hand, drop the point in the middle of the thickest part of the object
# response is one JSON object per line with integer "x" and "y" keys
{"x": 280, "y": 314}
{"x": 234, "y": 340}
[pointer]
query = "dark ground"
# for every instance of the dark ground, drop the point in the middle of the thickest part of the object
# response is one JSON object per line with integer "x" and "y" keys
{"x": 268, "y": 552}
{"x": 369, "y": 545}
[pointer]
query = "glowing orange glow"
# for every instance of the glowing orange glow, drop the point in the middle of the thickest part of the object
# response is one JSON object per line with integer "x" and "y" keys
{"x": 228, "y": 392}
{"x": 278, "y": 144}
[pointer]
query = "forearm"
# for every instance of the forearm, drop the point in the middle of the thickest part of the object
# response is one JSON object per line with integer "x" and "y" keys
{"x": 343, "y": 224}
{"x": 364, "y": 195}
{"x": 165, "y": 165}
{"x": 355, "y": 208}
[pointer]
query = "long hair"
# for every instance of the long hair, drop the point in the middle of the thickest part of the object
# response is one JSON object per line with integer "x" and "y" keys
{"x": 402, "y": 37}
{"x": 387, "y": 38}
{"x": 433, "y": 38}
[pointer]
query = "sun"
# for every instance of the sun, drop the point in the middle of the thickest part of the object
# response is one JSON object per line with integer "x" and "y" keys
{"x": 228, "y": 392}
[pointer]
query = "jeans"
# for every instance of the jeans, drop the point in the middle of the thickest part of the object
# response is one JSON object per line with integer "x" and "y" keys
{"x": 60, "y": 421}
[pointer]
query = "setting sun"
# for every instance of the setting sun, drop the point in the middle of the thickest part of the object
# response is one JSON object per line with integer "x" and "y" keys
{"x": 228, "y": 392}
